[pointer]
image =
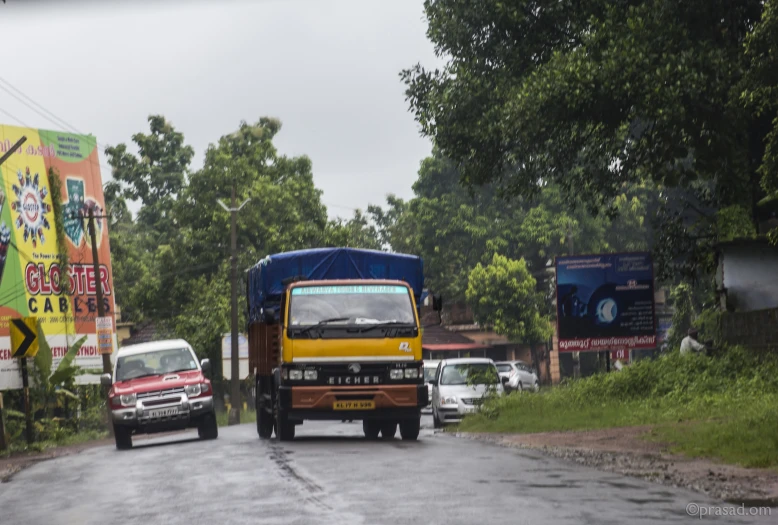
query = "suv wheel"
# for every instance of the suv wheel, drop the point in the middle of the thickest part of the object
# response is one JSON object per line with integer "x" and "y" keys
{"x": 208, "y": 428}
{"x": 123, "y": 437}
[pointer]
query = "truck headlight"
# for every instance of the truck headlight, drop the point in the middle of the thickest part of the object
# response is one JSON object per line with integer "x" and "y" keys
{"x": 311, "y": 375}
{"x": 295, "y": 375}
{"x": 448, "y": 400}
{"x": 193, "y": 390}
{"x": 128, "y": 400}
{"x": 396, "y": 373}
{"x": 411, "y": 373}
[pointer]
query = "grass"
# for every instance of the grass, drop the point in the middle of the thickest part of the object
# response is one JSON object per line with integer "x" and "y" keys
{"x": 41, "y": 446}
{"x": 724, "y": 408}
{"x": 246, "y": 416}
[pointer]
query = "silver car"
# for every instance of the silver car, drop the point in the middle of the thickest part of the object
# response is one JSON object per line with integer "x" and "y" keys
{"x": 429, "y": 373}
{"x": 520, "y": 376}
{"x": 452, "y": 395}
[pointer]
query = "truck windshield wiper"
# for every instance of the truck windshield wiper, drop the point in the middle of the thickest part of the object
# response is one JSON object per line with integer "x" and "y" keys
{"x": 384, "y": 324}
{"x": 322, "y": 322}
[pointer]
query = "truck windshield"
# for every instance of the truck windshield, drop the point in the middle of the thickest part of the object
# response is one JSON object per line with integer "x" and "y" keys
{"x": 340, "y": 305}
{"x": 155, "y": 362}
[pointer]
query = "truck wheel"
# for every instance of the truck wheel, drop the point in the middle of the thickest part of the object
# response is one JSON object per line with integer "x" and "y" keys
{"x": 371, "y": 428}
{"x": 409, "y": 428}
{"x": 284, "y": 429}
{"x": 388, "y": 429}
{"x": 264, "y": 423}
{"x": 208, "y": 428}
{"x": 123, "y": 437}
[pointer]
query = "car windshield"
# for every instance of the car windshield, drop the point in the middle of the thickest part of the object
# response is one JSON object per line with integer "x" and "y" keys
{"x": 155, "y": 362}
{"x": 429, "y": 373}
{"x": 482, "y": 374}
{"x": 340, "y": 305}
{"x": 504, "y": 368}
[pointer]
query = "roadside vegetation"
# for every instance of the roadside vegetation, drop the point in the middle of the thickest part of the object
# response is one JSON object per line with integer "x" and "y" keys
{"x": 719, "y": 407}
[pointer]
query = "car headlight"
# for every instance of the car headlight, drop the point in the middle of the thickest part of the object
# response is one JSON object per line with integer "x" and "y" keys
{"x": 448, "y": 400}
{"x": 193, "y": 390}
{"x": 295, "y": 375}
{"x": 311, "y": 375}
{"x": 411, "y": 373}
{"x": 396, "y": 373}
{"x": 128, "y": 399}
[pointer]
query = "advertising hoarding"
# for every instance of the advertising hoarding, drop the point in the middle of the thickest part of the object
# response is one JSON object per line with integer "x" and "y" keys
{"x": 30, "y": 282}
{"x": 605, "y": 302}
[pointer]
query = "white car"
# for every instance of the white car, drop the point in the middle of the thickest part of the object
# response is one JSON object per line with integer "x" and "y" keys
{"x": 452, "y": 396}
{"x": 429, "y": 373}
{"x": 520, "y": 376}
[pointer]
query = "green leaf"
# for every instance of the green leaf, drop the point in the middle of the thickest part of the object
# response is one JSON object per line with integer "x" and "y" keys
{"x": 65, "y": 370}
{"x": 43, "y": 358}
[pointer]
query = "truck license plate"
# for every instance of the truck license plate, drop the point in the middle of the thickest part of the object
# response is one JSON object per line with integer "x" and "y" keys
{"x": 354, "y": 405}
{"x": 164, "y": 412}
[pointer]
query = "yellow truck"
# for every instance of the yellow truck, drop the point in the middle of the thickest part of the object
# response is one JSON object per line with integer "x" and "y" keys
{"x": 334, "y": 334}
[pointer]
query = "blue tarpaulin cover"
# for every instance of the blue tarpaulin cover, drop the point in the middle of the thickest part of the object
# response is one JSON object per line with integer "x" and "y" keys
{"x": 266, "y": 278}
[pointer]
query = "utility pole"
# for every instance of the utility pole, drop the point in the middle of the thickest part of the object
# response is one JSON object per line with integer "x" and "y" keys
{"x": 13, "y": 148}
{"x": 235, "y": 400}
{"x": 100, "y": 306}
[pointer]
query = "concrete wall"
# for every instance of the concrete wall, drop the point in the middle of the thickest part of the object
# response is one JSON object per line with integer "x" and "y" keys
{"x": 750, "y": 276}
{"x": 757, "y": 330}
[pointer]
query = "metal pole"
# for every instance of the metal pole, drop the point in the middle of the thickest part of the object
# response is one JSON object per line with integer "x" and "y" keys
{"x": 235, "y": 398}
{"x": 3, "y": 444}
{"x": 100, "y": 305}
{"x": 13, "y": 148}
{"x": 27, "y": 408}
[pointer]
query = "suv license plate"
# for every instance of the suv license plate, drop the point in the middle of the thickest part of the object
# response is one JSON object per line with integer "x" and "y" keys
{"x": 164, "y": 412}
{"x": 354, "y": 405}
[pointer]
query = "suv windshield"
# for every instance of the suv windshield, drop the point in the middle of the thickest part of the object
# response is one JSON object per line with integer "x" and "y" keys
{"x": 483, "y": 373}
{"x": 155, "y": 362}
{"x": 340, "y": 305}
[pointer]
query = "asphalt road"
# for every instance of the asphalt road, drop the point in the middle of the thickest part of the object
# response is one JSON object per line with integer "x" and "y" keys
{"x": 331, "y": 475}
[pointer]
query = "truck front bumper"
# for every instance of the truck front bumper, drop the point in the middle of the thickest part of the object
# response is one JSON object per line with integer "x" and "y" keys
{"x": 317, "y": 402}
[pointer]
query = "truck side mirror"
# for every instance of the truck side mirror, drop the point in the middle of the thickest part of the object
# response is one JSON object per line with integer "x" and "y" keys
{"x": 206, "y": 365}
{"x": 105, "y": 379}
{"x": 437, "y": 303}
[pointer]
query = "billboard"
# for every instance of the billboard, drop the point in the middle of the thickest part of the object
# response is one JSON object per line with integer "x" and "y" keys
{"x": 243, "y": 356}
{"x": 30, "y": 272}
{"x": 605, "y": 302}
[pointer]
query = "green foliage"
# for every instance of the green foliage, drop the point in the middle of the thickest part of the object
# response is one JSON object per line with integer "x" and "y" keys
{"x": 714, "y": 398}
{"x": 503, "y": 294}
{"x": 734, "y": 222}
{"x": 63, "y": 253}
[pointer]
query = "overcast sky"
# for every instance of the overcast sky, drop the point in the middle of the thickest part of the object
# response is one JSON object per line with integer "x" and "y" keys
{"x": 327, "y": 68}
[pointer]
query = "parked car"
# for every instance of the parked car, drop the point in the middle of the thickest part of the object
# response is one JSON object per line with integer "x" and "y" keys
{"x": 452, "y": 396}
{"x": 520, "y": 375}
{"x": 157, "y": 387}
{"x": 429, "y": 373}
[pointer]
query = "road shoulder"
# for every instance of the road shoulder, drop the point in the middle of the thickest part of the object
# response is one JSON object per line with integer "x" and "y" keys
{"x": 625, "y": 451}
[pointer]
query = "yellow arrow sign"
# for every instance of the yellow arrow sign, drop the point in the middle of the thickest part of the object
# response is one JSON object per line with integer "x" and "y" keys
{"x": 24, "y": 337}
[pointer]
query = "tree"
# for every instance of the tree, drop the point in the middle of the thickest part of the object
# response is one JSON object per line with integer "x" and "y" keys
{"x": 503, "y": 294}
{"x": 595, "y": 95}
{"x": 357, "y": 232}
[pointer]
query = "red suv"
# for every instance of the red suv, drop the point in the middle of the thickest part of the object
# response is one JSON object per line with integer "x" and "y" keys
{"x": 157, "y": 387}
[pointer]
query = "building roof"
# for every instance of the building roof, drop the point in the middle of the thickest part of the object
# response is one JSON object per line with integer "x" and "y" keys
{"x": 439, "y": 338}
{"x": 144, "y": 333}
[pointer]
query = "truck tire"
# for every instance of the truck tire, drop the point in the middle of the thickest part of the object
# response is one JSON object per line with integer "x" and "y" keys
{"x": 409, "y": 428}
{"x": 388, "y": 429}
{"x": 371, "y": 428}
{"x": 208, "y": 428}
{"x": 123, "y": 437}
{"x": 284, "y": 429}
{"x": 264, "y": 418}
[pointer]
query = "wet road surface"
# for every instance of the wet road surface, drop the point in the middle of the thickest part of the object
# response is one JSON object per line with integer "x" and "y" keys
{"x": 331, "y": 475}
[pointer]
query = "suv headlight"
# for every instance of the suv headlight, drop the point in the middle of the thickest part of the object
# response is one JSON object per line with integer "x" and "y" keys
{"x": 128, "y": 400}
{"x": 295, "y": 375}
{"x": 396, "y": 373}
{"x": 448, "y": 400}
{"x": 193, "y": 390}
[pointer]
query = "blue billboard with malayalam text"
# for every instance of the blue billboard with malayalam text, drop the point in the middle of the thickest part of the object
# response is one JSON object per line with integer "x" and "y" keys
{"x": 605, "y": 302}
